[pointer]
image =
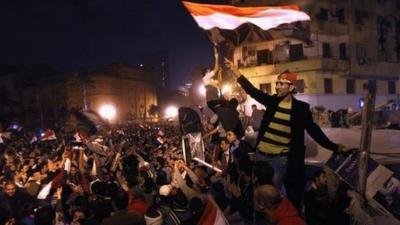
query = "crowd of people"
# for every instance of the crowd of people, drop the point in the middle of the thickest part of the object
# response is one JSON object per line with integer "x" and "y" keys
{"x": 140, "y": 173}
{"x": 137, "y": 177}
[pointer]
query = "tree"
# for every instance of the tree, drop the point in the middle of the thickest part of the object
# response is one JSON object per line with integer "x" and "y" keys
{"x": 154, "y": 110}
{"x": 86, "y": 82}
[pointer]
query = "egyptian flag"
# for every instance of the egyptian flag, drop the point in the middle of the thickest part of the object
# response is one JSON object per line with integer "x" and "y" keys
{"x": 49, "y": 135}
{"x": 81, "y": 137}
{"x": 220, "y": 19}
{"x": 212, "y": 214}
{"x": 91, "y": 120}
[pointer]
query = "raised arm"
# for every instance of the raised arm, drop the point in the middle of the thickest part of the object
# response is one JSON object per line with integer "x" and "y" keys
{"x": 186, "y": 190}
{"x": 255, "y": 93}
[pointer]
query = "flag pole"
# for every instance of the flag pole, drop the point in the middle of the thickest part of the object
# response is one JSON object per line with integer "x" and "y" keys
{"x": 366, "y": 135}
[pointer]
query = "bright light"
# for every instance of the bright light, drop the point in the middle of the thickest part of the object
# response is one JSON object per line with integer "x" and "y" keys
{"x": 202, "y": 90}
{"x": 171, "y": 111}
{"x": 361, "y": 102}
{"x": 107, "y": 111}
{"x": 226, "y": 89}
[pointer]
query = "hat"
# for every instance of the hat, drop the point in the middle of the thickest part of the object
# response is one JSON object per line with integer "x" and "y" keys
{"x": 288, "y": 77}
{"x": 165, "y": 190}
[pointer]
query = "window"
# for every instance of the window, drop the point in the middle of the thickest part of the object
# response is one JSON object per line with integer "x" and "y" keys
{"x": 372, "y": 85}
{"x": 391, "y": 87}
{"x": 326, "y": 50}
{"x": 328, "y": 85}
{"x": 323, "y": 14}
{"x": 361, "y": 54}
{"x": 350, "y": 86}
{"x": 360, "y": 17}
{"x": 296, "y": 52}
{"x": 300, "y": 86}
{"x": 342, "y": 50}
{"x": 266, "y": 88}
{"x": 264, "y": 57}
{"x": 340, "y": 15}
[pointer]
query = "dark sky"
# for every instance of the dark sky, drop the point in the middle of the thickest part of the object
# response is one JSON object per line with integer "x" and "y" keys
{"x": 73, "y": 34}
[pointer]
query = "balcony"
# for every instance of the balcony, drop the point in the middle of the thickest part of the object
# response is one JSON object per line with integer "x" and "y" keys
{"x": 309, "y": 64}
{"x": 329, "y": 27}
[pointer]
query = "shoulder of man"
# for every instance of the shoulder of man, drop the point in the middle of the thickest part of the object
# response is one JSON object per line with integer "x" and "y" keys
{"x": 300, "y": 103}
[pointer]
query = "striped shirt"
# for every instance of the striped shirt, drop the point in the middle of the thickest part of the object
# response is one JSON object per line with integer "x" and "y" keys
{"x": 277, "y": 136}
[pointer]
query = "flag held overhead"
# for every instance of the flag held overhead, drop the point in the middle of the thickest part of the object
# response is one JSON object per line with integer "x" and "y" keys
{"x": 227, "y": 17}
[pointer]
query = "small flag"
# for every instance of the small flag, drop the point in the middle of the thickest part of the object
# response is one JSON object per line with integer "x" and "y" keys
{"x": 120, "y": 131}
{"x": 81, "y": 137}
{"x": 49, "y": 135}
{"x": 34, "y": 139}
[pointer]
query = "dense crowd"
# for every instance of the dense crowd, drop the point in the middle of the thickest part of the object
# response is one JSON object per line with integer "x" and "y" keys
{"x": 137, "y": 176}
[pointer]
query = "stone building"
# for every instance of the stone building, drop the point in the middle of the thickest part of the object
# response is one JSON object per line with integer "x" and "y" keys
{"x": 131, "y": 90}
{"x": 351, "y": 43}
{"x": 45, "y": 99}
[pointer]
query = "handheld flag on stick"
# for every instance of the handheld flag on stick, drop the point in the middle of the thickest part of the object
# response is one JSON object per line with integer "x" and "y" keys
{"x": 218, "y": 19}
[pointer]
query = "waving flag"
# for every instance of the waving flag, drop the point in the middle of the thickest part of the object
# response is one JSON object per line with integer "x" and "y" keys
{"x": 90, "y": 120}
{"x": 236, "y": 24}
{"x": 212, "y": 214}
{"x": 49, "y": 135}
{"x": 228, "y": 17}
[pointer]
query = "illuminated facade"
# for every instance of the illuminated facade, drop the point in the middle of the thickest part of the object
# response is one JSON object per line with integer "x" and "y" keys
{"x": 352, "y": 43}
{"x": 50, "y": 99}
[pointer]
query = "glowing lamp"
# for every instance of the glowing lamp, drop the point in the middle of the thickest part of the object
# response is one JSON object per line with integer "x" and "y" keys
{"x": 107, "y": 111}
{"x": 171, "y": 111}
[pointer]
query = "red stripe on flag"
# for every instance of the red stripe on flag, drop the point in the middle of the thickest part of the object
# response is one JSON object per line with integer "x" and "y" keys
{"x": 197, "y": 9}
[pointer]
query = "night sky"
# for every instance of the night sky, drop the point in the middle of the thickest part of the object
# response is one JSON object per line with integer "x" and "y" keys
{"x": 73, "y": 34}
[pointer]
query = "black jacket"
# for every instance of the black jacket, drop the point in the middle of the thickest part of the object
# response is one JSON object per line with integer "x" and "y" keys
{"x": 300, "y": 120}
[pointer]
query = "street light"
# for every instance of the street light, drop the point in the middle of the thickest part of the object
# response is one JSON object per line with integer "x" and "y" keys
{"x": 171, "y": 111}
{"x": 202, "y": 90}
{"x": 107, "y": 111}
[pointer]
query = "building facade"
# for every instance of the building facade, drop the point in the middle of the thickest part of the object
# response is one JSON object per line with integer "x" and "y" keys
{"x": 130, "y": 90}
{"x": 351, "y": 43}
{"x": 47, "y": 99}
